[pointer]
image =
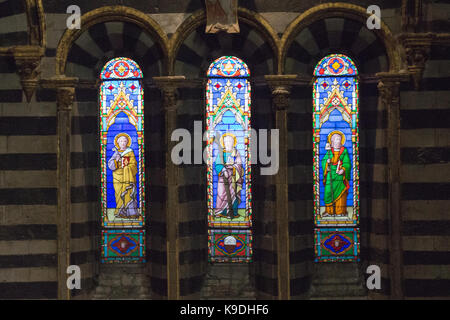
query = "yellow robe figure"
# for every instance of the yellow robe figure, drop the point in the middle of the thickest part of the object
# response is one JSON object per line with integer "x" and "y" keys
{"x": 124, "y": 166}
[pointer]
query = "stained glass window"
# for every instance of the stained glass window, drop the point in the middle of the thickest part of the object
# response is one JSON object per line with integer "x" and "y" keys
{"x": 228, "y": 161}
{"x": 122, "y": 162}
{"x": 336, "y": 159}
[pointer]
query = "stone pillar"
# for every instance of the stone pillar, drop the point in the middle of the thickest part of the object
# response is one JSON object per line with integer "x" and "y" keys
{"x": 28, "y": 59}
{"x": 389, "y": 88}
{"x": 65, "y": 93}
{"x": 281, "y": 89}
{"x": 168, "y": 86}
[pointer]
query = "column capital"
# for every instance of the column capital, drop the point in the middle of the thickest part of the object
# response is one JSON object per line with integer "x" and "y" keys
{"x": 281, "y": 89}
{"x": 65, "y": 90}
{"x": 169, "y": 86}
{"x": 28, "y": 59}
{"x": 65, "y": 97}
{"x": 389, "y": 86}
{"x": 417, "y": 48}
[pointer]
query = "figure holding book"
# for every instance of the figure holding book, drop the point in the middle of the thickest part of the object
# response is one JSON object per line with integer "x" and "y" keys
{"x": 124, "y": 166}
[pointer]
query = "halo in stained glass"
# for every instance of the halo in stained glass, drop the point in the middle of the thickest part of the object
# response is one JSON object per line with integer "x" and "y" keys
{"x": 336, "y": 65}
{"x": 121, "y": 68}
{"x": 228, "y": 66}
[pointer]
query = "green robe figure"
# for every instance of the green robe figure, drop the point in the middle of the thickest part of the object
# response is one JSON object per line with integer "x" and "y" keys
{"x": 336, "y": 175}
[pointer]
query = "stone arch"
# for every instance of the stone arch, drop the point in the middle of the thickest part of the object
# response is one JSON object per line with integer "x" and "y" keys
{"x": 346, "y": 11}
{"x": 252, "y": 20}
{"x": 111, "y": 14}
{"x": 36, "y": 22}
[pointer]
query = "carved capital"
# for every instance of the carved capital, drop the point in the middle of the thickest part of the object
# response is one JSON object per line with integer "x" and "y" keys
{"x": 417, "y": 49}
{"x": 389, "y": 87}
{"x": 65, "y": 90}
{"x": 281, "y": 89}
{"x": 65, "y": 97}
{"x": 28, "y": 59}
{"x": 169, "y": 86}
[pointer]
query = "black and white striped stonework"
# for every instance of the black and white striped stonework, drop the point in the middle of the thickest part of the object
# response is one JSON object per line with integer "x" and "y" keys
{"x": 86, "y": 58}
{"x": 108, "y": 40}
{"x": 13, "y": 23}
{"x": 336, "y": 35}
{"x": 436, "y": 18}
{"x": 199, "y": 50}
{"x": 425, "y": 176}
{"x": 195, "y": 55}
{"x": 264, "y": 268}
{"x": 28, "y": 200}
{"x": 85, "y": 188}
{"x": 300, "y": 190}
{"x": 155, "y": 190}
{"x": 192, "y": 227}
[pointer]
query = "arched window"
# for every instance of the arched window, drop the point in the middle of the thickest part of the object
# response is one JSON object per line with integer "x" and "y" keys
{"x": 122, "y": 162}
{"x": 336, "y": 160}
{"x": 228, "y": 161}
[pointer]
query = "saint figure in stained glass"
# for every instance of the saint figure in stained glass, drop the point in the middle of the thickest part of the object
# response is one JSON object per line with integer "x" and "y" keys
{"x": 230, "y": 173}
{"x": 336, "y": 159}
{"x": 121, "y": 120}
{"x": 228, "y": 162}
{"x": 124, "y": 166}
{"x": 336, "y": 167}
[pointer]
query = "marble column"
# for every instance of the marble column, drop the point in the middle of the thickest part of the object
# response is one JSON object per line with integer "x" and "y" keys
{"x": 65, "y": 93}
{"x": 389, "y": 90}
{"x": 168, "y": 86}
{"x": 281, "y": 89}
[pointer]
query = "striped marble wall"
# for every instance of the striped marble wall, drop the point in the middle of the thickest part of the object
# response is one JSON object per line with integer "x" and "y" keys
{"x": 194, "y": 57}
{"x": 334, "y": 35}
{"x": 425, "y": 176}
{"x": 13, "y": 25}
{"x": 28, "y": 149}
{"x": 192, "y": 214}
{"x": 86, "y": 58}
{"x": 28, "y": 200}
